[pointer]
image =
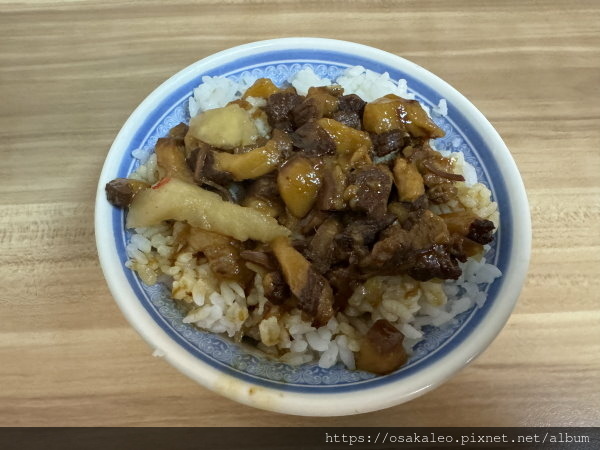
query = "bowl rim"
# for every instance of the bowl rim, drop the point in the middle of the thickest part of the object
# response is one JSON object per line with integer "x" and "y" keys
{"x": 319, "y": 403}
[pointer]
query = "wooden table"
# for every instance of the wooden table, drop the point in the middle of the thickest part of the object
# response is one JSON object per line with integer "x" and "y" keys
{"x": 72, "y": 71}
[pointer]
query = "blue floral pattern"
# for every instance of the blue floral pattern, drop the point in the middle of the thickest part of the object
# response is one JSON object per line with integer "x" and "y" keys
{"x": 238, "y": 358}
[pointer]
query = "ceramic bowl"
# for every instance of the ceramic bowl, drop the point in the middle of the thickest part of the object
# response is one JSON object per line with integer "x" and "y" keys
{"x": 242, "y": 375}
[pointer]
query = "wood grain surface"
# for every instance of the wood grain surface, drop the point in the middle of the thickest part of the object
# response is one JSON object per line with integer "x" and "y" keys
{"x": 72, "y": 71}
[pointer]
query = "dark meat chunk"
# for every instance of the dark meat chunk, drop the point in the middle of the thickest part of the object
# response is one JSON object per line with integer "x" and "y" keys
{"x": 120, "y": 191}
{"x": 456, "y": 248}
{"x": 279, "y": 109}
{"x": 313, "y": 140}
{"x": 435, "y": 262}
{"x": 427, "y": 228}
{"x": 432, "y": 227}
{"x": 420, "y": 247}
{"x": 331, "y": 193}
{"x": 348, "y": 118}
{"x": 417, "y": 152}
{"x": 430, "y": 161}
{"x": 481, "y": 231}
{"x": 352, "y": 102}
{"x": 469, "y": 225}
{"x": 372, "y": 187}
{"x": 462, "y": 247}
{"x": 260, "y": 258}
{"x": 284, "y": 143}
{"x": 391, "y": 141}
{"x": 343, "y": 281}
{"x": 436, "y": 172}
{"x": 275, "y": 288}
{"x": 407, "y": 212}
{"x": 421, "y": 203}
{"x": 412, "y": 218}
{"x": 321, "y": 250}
{"x": 202, "y": 163}
{"x": 353, "y": 243}
{"x": 264, "y": 187}
{"x": 319, "y": 102}
{"x": 440, "y": 193}
{"x": 309, "y": 223}
{"x": 367, "y": 229}
{"x": 350, "y": 247}
{"x": 315, "y": 296}
{"x": 381, "y": 351}
{"x": 391, "y": 251}
{"x": 306, "y": 111}
{"x": 263, "y": 195}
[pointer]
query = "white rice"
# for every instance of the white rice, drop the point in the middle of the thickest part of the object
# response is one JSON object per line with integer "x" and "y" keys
{"x": 223, "y": 307}
{"x": 370, "y": 85}
{"x": 306, "y": 78}
{"x": 441, "y": 109}
{"x": 215, "y": 92}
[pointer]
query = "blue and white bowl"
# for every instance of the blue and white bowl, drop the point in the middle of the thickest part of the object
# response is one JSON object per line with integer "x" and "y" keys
{"x": 243, "y": 375}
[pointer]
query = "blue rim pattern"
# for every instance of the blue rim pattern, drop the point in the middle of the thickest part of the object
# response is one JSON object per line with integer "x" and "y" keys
{"x": 326, "y": 63}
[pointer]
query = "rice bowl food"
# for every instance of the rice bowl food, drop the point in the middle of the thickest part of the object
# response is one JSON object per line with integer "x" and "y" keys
{"x": 314, "y": 221}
